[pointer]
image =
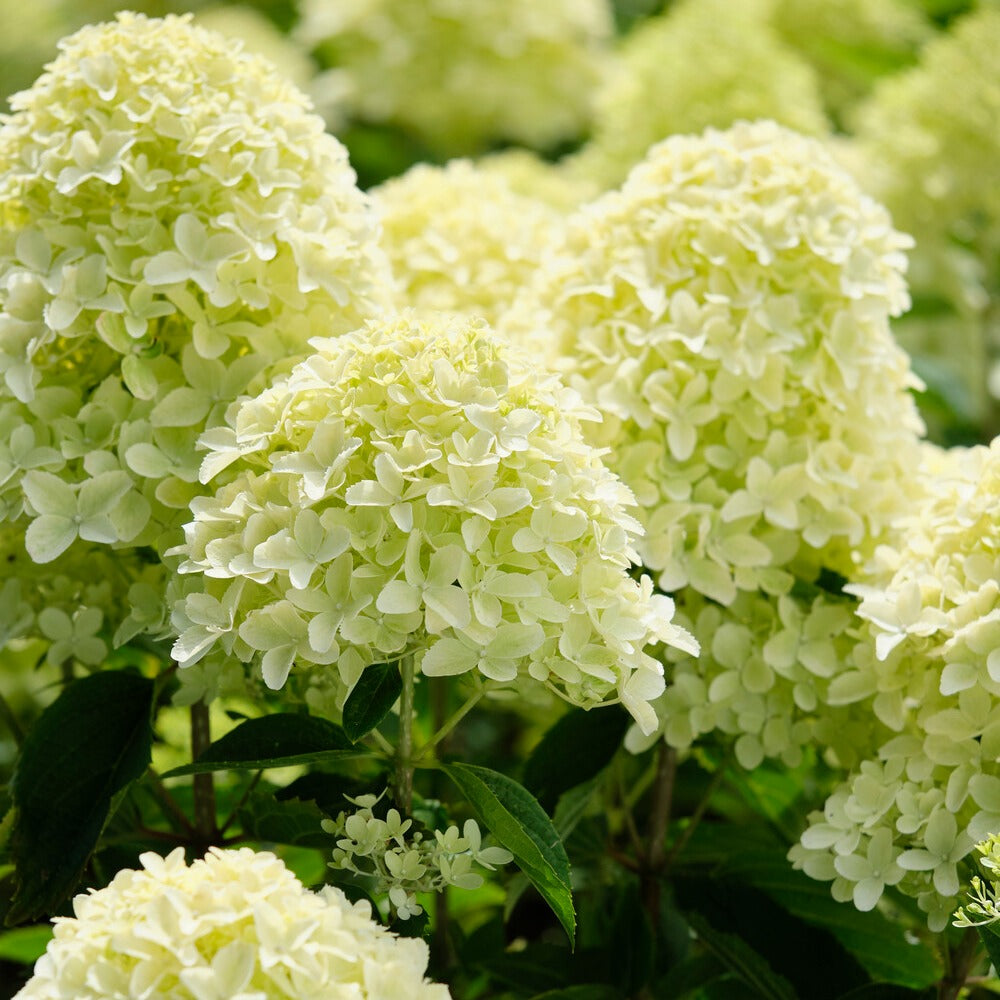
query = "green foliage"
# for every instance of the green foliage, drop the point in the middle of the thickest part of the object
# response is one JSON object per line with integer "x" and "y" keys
{"x": 372, "y": 699}
{"x": 519, "y": 823}
{"x": 595, "y": 737}
{"x": 82, "y": 753}
{"x": 24, "y": 944}
{"x": 281, "y": 740}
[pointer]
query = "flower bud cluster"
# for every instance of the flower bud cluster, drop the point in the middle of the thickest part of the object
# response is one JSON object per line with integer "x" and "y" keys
{"x": 984, "y": 907}
{"x": 422, "y": 488}
{"x": 403, "y": 860}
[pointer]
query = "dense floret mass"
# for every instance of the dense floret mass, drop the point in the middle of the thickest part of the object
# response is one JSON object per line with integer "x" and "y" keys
{"x": 421, "y": 488}
{"x": 234, "y": 924}
{"x": 169, "y": 229}
{"x": 703, "y": 63}
{"x": 767, "y": 678}
{"x": 460, "y": 239}
{"x": 258, "y": 34}
{"x": 464, "y": 74}
{"x": 728, "y": 311}
{"x": 528, "y": 174}
{"x": 912, "y": 812}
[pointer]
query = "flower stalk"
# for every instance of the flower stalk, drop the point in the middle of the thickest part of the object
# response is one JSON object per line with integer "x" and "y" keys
{"x": 204, "y": 784}
{"x": 404, "y": 746}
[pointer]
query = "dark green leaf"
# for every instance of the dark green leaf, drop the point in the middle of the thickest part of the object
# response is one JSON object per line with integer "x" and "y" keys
{"x": 538, "y": 968}
{"x": 689, "y": 975}
{"x": 883, "y": 991}
{"x": 25, "y": 944}
{"x": 280, "y": 740}
{"x": 85, "y": 748}
{"x": 588, "y": 992}
{"x": 520, "y": 824}
{"x": 594, "y": 736}
{"x": 371, "y": 700}
{"x": 790, "y": 945}
{"x": 743, "y": 961}
{"x": 878, "y": 944}
{"x": 328, "y": 791}
{"x": 631, "y": 941}
{"x": 265, "y": 819}
{"x": 991, "y": 941}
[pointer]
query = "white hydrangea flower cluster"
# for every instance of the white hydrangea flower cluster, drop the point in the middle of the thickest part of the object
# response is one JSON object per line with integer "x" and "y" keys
{"x": 170, "y": 228}
{"x": 234, "y": 925}
{"x": 702, "y": 63}
{"x": 728, "y": 311}
{"x": 529, "y": 175}
{"x": 91, "y": 598}
{"x": 460, "y": 239}
{"x": 767, "y": 677}
{"x": 404, "y": 861}
{"x": 931, "y": 787}
{"x": 421, "y": 488}
{"x": 464, "y": 74}
{"x": 931, "y": 134}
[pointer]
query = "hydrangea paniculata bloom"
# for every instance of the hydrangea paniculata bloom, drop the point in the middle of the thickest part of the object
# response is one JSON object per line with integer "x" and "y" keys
{"x": 236, "y": 924}
{"x": 766, "y": 677}
{"x": 420, "y": 487}
{"x": 464, "y": 74}
{"x": 169, "y": 229}
{"x": 728, "y": 311}
{"x": 702, "y": 63}
{"x": 529, "y": 175}
{"x": 931, "y": 786}
{"x": 460, "y": 239}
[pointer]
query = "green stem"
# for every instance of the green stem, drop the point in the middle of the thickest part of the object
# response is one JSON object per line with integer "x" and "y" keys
{"x": 8, "y": 716}
{"x": 252, "y": 784}
{"x": 960, "y": 962}
{"x": 404, "y": 748}
{"x": 172, "y": 812}
{"x": 659, "y": 821}
{"x": 204, "y": 786}
{"x": 696, "y": 816}
{"x": 445, "y": 730}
